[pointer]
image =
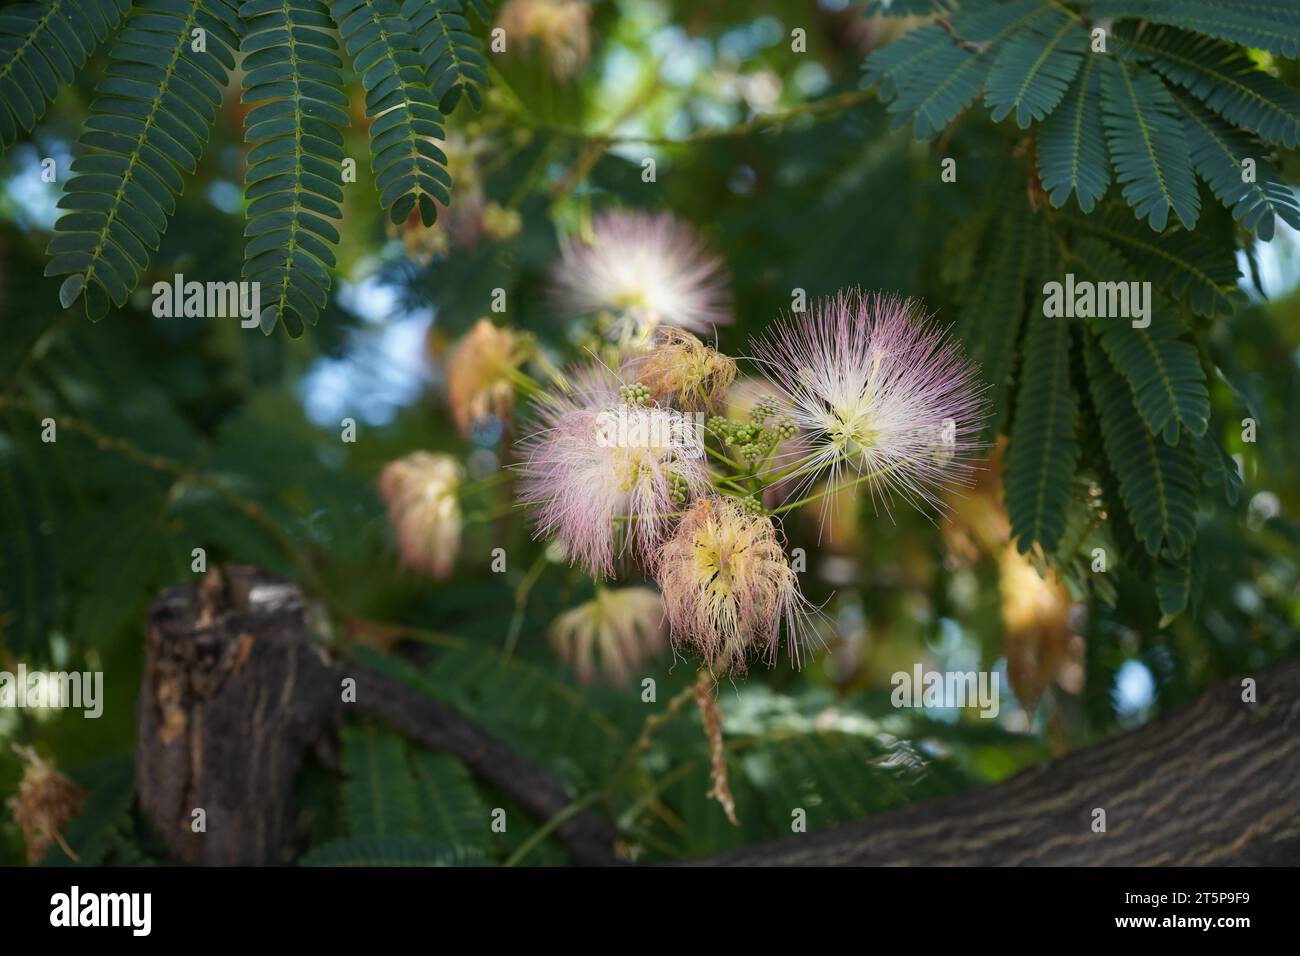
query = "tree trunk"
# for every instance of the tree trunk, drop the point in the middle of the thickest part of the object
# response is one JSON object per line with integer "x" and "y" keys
{"x": 1216, "y": 784}
{"x": 235, "y": 691}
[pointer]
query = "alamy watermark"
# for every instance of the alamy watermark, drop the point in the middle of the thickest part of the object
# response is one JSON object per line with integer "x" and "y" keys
{"x": 208, "y": 300}
{"x": 53, "y": 689}
{"x": 1100, "y": 300}
{"x": 636, "y": 426}
{"x": 75, "y": 908}
{"x": 923, "y": 688}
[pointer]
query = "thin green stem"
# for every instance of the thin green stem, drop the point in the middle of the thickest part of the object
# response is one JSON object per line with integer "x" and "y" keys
{"x": 550, "y": 826}
{"x": 645, "y": 738}
{"x": 521, "y": 604}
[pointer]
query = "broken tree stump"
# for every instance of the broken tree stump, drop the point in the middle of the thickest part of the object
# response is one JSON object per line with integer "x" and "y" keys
{"x": 235, "y": 691}
{"x": 232, "y": 696}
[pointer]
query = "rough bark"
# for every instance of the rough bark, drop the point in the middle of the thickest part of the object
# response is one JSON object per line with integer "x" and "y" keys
{"x": 1216, "y": 784}
{"x": 235, "y": 692}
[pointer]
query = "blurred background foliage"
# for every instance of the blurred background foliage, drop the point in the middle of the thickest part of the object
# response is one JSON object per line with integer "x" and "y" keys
{"x": 181, "y": 433}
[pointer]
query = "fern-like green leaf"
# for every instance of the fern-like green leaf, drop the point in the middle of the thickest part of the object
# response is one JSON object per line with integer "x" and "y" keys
{"x": 1256, "y": 197}
{"x": 295, "y": 166}
{"x": 454, "y": 65}
{"x": 945, "y": 85}
{"x": 41, "y": 46}
{"x": 1195, "y": 272}
{"x": 410, "y": 171}
{"x": 1147, "y": 146}
{"x": 1157, "y": 481}
{"x": 991, "y": 316}
{"x": 390, "y": 851}
{"x": 379, "y": 793}
{"x": 1178, "y": 583}
{"x": 542, "y": 715}
{"x": 1043, "y": 451}
{"x": 1263, "y": 26}
{"x": 1086, "y": 530}
{"x": 911, "y": 8}
{"x": 1163, "y": 370}
{"x": 897, "y": 61}
{"x": 1034, "y": 69}
{"x": 150, "y": 121}
{"x": 453, "y": 813}
{"x": 1072, "y": 144}
{"x": 1223, "y": 76}
{"x": 937, "y": 80}
{"x": 1218, "y": 470}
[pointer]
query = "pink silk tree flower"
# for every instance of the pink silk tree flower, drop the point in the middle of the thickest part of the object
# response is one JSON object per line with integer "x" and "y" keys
{"x": 728, "y": 586}
{"x": 881, "y": 397}
{"x": 644, "y": 269}
{"x": 604, "y": 476}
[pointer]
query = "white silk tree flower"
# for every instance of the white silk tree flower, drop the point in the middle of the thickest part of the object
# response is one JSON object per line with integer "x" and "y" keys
{"x": 421, "y": 492}
{"x": 880, "y": 395}
{"x": 612, "y": 635}
{"x": 645, "y": 270}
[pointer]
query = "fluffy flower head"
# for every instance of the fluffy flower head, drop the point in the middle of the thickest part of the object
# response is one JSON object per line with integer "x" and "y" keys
{"x": 603, "y": 474}
{"x": 479, "y": 374}
{"x": 44, "y": 804}
{"x": 612, "y": 634}
{"x": 727, "y": 586}
{"x": 644, "y": 269}
{"x": 559, "y": 26}
{"x": 879, "y": 394}
{"x": 682, "y": 370}
{"x": 420, "y": 491}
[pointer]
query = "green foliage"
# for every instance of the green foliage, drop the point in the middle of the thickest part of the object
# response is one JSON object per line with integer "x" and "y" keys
{"x": 150, "y": 124}
{"x": 452, "y": 57}
{"x": 1187, "y": 266}
{"x": 295, "y": 165}
{"x": 1219, "y": 154}
{"x": 911, "y": 8}
{"x": 404, "y": 808}
{"x": 101, "y": 833}
{"x": 994, "y": 306}
{"x": 1163, "y": 371}
{"x": 1026, "y": 59}
{"x": 1271, "y": 26}
{"x": 43, "y": 46}
{"x": 1147, "y": 146}
{"x": 1086, "y": 531}
{"x": 155, "y": 111}
{"x": 410, "y": 172}
{"x": 1157, "y": 481}
{"x": 1072, "y": 155}
{"x": 935, "y": 78}
{"x": 1031, "y": 74}
{"x": 1043, "y": 452}
{"x": 535, "y": 708}
{"x": 1223, "y": 77}
{"x": 387, "y": 851}
{"x": 380, "y": 793}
